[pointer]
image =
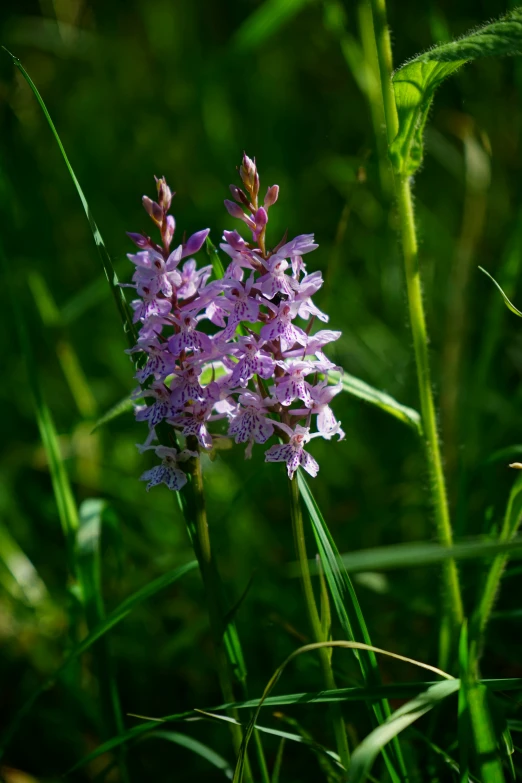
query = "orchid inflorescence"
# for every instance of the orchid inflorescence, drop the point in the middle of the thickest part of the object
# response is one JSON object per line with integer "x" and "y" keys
{"x": 253, "y": 365}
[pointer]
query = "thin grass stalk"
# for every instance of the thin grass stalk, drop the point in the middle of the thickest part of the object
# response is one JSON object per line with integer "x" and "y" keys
{"x": 315, "y": 620}
{"x": 196, "y": 516}
{"x": 452, "y": 594}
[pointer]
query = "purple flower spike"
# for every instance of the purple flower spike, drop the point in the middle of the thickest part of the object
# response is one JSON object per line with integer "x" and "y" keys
{"x": 249, "y": 363}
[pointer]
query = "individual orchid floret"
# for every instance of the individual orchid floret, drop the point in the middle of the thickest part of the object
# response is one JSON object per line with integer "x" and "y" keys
{"x": 168, "y": 472}
{"x": 160, "y": 409}
{"x": 251, "y": 423}
{"x": 293, "y": 452}
{"x": 188, "y": 337}
{"x": 281, "y": 327}
{"x": 254, "y": 361}
{"x": 292, "y": 385}
{"x": 322, "y": 394}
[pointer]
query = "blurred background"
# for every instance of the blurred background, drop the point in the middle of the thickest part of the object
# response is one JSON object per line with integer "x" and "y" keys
{"x": 181, "y": 89}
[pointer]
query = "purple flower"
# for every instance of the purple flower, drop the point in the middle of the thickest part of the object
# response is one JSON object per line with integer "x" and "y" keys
{"x": 149, "y": 305}
{"x": 192, "y": 279}
{"x": 322, "y": 394}
{"x": 293, "y": 452}
{"x": 251, "y": 422}
{"x": 253, "y": 361}
{"x": 158, "y": 410}
{"x": 194, "y": 420}
{"x": 185, "y": 386}
{"x": 160, "y": 362}
{"x": 292, "y": 384}
{"x": 281, "y": 327}
{"x": 188, "y": 338}
{"x": 276, "y": 281}
{"x": 241, "y": 306}
{"x": 168, "y": 473}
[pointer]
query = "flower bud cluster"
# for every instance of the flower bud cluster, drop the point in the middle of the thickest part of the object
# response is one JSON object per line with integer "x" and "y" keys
{"x": 230, "y": 349}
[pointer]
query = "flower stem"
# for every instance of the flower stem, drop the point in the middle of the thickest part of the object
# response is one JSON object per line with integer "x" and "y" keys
{"x": 194, "y": 508}
{"x": 452, "y": 594}
{"x": 315, "y": 621}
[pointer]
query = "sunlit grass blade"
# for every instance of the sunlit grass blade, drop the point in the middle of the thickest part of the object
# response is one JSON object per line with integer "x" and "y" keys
{"x": 464, "y": 725}
{"x": 266, "y": 20}
{"x": 113, "y": 618}
{"x": 360, "y": 646}
{"x": 366, "y": 753}
{"x": 380, "y": 399}
{"x": 112, "y": 277}
{"x": 195, "y": 746}
{"x": 19, "y": 577}
{"x": 509, "y": 304}
{"x": 348, "y": 611}
{"x": 420, "y": 554}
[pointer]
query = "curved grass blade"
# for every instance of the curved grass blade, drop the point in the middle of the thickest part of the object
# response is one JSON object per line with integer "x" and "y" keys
{"x": 366, "y": 753}
{"x": 420, "y": 554}
{"x": 21, "y": 579}
{"x": 415, "y": 82}
{"x": 509, "y": 304}
{"x": 113, "y": 618}
{"x": 238, "y": 774}
{"x": 112, "y": 277}
{"x": 399, "y": 691}
{"x": 349, "y": 613}
{"x": 195, "y": 746}
{"x": 380, "y": 399}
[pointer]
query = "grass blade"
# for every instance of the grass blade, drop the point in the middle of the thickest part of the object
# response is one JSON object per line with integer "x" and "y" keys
{"x": 112, "y": 619}
{"x": 184, "y": 741}
{"x": 380, "y": 399}
{"x": 509, "y": 304}
{"x": 112, "y": 277}
{"x": 265, "y": 21}
{"x": 366, "y": 753}
{"x": 348, "y": 611}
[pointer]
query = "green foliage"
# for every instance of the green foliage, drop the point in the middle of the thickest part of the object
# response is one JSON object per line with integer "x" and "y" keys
{"x": 415, "y": 82}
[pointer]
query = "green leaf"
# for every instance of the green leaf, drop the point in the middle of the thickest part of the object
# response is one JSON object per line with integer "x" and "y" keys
{"x": 20, "y": 578}
{"x": 113, "y": 618}
{"x": 464, "y": 725}
{"x": 416, "y": 81}
{"x": 366, "y": 753}
{"x": 364, "y": 391}
{"x": 112, "y": 277}
{"x": 196, "y": 747}
{"x": 348, "y": 610}
{"x": 215, "y": 260}
{"x": 507, "y": 301}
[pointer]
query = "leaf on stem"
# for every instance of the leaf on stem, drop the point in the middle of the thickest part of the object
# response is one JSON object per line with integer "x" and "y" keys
{"x": 507, "y": 301}
{"x": 415, "y": 82}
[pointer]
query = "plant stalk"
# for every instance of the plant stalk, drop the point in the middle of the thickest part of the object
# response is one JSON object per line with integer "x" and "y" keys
{"x": 202, "y": 548}
{"x": 315, "y": 621}
{"x": 452, "y": 594}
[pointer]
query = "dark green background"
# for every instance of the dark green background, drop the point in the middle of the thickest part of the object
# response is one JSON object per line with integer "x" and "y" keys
{"x": 179, "y": 89}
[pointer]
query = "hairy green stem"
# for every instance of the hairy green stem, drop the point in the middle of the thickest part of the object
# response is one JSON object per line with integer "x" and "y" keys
{"x": 452, "y": 594}
{"x": 315, "y": 620}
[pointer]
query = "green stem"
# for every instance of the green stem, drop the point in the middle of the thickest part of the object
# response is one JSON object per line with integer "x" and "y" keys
{"x": 315, "y": 620}
{"x": 452, "y": 592}
{"x": 203, "y": 551}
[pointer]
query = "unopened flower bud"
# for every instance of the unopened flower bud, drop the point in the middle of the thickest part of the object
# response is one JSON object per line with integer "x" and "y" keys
{"x": 234, "y": 210}
{"x": 271, "y": 197}
{"x": 164, "y": 193}
{"x": 239, "y": 195}
{"x": 153, "y": 209}
{"x": 167, "y": 230}
{"x": 249, "y": 175}
{"x": 143, "y": 242}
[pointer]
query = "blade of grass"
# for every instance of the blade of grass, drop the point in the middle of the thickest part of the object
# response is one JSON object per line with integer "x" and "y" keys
{"x": 266, "y": 20}
{"x": 240, "y": 766}
{"x": 112, "y": 277}
{"x": 366, "y": 753}
{"x": 112, "y": 619}
{"x": 195, "y": 746}
{"x": 380, "y": 399}
{"x": 349, "y": 612}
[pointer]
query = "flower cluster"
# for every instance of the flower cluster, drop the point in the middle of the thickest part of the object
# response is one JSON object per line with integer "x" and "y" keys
{"x": 231, "y": 348}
